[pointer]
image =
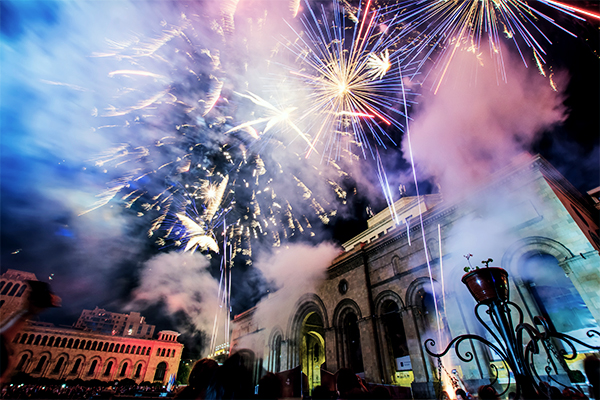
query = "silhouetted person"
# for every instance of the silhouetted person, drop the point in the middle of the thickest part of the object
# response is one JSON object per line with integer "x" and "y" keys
{"x": 348, "y": 385}
{"x": 322, "y": 393}
{"x": 591, "y": 366}
{"x": 462, "y": 395}
{"x": 269, "y": 387}
{"x": 40, "y": 297}
{"x": 487, "y": 392}
{"x": 233, "y": 380}
{"x": 199, "y": 379}
{"x": 380, "y": 393}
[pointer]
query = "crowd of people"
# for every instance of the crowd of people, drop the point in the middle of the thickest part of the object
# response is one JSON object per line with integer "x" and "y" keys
{"x": 33, "y": 391}
{"x": 233, "y": 380}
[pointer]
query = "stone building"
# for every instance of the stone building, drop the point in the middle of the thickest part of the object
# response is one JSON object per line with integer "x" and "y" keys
{"x": 44, "y": 350}
{"x": 115, "y": 324}
{"x": 395, "y": 286}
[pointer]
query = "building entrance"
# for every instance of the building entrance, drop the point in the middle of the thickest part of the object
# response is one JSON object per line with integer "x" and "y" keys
{"x": 312, "y": 349}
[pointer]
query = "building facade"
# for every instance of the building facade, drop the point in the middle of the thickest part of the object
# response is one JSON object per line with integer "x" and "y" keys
{"x": 396, "y": 286}
{"x": 44, "y": 350}
{"x": 105, "y": 322}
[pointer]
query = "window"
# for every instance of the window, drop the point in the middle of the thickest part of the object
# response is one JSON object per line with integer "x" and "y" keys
{"x": 76, "y": 366}
{"x": 7, "y": 288}
{"x": 14, "y": 290}
{"x": 92, "y": 368}
{"x": 138, "y": 370}
{"x": 20, "y": 292}
{"x": 40, "y": 364}
{"x": 70, "y": 343}
{"x": 123, "y": 370}
{"x": 23, "y": 338}
{"x": 44, "y": 341}
{"x": 394, "y": 329}
{"x": 108, "y": 368}
{"x": 22, "y": 362}
{"x": 58, "y": 365}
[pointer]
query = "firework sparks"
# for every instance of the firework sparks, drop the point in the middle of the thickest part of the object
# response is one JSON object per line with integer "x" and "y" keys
{"x": 351, "y": 79}
{"x": 450, "y": 26}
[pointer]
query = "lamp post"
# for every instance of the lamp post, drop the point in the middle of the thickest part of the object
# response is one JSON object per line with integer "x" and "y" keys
{"x": 514, "y": 341}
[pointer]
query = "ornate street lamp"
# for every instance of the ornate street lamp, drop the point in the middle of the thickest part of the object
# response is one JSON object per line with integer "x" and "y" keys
{"x": 516, "y": 344}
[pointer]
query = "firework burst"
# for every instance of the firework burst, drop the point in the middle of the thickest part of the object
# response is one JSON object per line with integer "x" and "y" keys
{"x": 446, "y": 27}
{"x": 347, "y": 68}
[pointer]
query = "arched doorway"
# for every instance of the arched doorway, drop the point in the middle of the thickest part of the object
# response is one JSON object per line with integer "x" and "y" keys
{"x": 556, "y": 299}
{"x": 351, "y": 343}
{"x": 312, "y": 348}
{"x": 161, "y": 369}
{"x": 397, "y": 347}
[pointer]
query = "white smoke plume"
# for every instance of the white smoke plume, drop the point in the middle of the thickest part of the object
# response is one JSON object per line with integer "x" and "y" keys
{"x": 182, "y": 282}
{"x": 295, "y": 271}
{"x": 476, "y": 123}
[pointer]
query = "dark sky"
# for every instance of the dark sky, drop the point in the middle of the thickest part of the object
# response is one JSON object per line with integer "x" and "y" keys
{"x": 57, "y": 89}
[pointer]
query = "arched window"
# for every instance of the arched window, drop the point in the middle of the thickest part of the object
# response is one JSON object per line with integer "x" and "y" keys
{"x": 38, "y": 338}
{"x": 161, "y": 368}
{"x": 138, "y": 350}
{"x": 94, "y": 344}
{"x": 23, "y": 338}
{"x": 70, "y": 343}
{"x": 92, "y": 368}
{"x": 168, "y": 353}
{"x": 123, "y": 370}
{"x": 58, "y": 365}
{"x": 44, "y": 341}
{"x": 22, "y": 361}
{"x": 138, "y": 370}
{"x": 7, "y": 288}
{"x": 162, "y": 353}
{"x": 20, "y": 292}
{"x": 2, "y": 284}
{"x": 88, "y": 345}
{"x": 111, "y": 347}
{"x": 108, "y": 368}
{"x": 40, "y": 364}
{"x": 63, "y": 343}
{"x": 30, "y": 340}
{"x": 76, "y": 344}
{"x": 76, "y": 366}
{"x": 51, "y": 341}
{"x": 276, "y": 353}
{"x": 122, "y": 350}
{"x": 352, "y": 342}
{"x": 14, "y": 290}
{"x": 557, "y": 300}
{"x": 82, "y": 345}
{"x": 16, "y": 339}
{"x": 57, "y": 342}
{"x": 148, "y": 351}
{"x": 105, "y": 347}
{"x": 157, "y": 352}
{"x": 128, "y": 348}
{"x": 117, "y": 347}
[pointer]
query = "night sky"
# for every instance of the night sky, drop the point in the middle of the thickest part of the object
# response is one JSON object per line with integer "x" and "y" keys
{"x": 57, "y": 83}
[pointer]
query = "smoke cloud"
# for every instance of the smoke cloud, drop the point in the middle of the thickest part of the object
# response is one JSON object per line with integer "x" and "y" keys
{"x": 295, "y": 270}
{"x": 477, "y": 123}
{"x": 182, "y": 282}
